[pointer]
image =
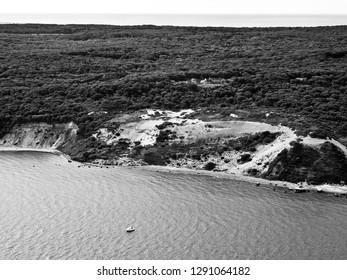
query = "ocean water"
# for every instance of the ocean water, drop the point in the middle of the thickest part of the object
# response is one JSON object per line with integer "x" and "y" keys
{"x": 53, "y": 209}
{"x": 227, "y": 20}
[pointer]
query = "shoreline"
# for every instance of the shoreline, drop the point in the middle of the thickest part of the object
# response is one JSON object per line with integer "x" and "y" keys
{"x": 259, "y": 182}
{"x": 21, "y": 149}
{"x": 39, "y": 150}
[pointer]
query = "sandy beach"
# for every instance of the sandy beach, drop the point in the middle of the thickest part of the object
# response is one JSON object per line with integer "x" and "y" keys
{"x": 20, "y": 149}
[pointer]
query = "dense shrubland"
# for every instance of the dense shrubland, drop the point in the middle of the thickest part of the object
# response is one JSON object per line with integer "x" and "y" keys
{"x": 305, "y": 163}
{"x": 60, "y": 73}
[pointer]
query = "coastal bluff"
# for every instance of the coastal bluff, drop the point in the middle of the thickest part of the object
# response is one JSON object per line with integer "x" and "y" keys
{"x": 191, "y": 139}
{"x": 40, "y": 136}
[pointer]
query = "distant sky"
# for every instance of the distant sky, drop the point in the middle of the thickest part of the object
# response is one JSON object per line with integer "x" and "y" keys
{"x": 177, "y": 6}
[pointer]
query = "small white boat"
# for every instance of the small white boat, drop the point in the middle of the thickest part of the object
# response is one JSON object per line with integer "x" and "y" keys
{"x": 130, "y": 229}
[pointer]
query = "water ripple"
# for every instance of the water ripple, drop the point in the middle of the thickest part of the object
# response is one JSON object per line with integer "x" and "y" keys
{"x": 52, "y": 209}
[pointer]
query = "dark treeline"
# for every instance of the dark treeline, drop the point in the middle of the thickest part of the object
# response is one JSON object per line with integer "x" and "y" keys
{"x": 60, "y": 73}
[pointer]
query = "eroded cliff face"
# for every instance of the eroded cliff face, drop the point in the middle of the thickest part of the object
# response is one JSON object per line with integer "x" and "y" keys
{"x": 40, "y": 136}
{"x": 231, "y": 146}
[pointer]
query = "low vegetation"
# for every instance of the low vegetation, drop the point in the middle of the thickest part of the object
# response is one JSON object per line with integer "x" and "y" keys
{"x": 250, "y": 142}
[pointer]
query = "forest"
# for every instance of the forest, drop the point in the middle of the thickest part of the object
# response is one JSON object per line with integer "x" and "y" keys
{"x": 61, "y": 73}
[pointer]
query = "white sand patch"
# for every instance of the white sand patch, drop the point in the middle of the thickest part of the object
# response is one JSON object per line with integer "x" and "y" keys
{"x": 339, "y": 189}
{"x": 196, "y": 129}
{"x": 144, "y": 132}
{"x": 166, "y": 114}
{"x": 267, "y": 153}
{"x": 104, "y": 135}
{"x": 238, "y": 128}
{"x": 338, "y": 144}
{"x": 193, "y": 130}
{"x": 145, "y": 117}
{"x": 152, "y": 112}
{"x": 178, "y": 114}
{"x": 308, "y": 140}
{"x": 100, "y": 112}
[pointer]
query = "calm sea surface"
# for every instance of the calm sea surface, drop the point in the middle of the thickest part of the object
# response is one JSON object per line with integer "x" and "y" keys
{"x": 52, "y": 209}
{"x": 179, "y": 19}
